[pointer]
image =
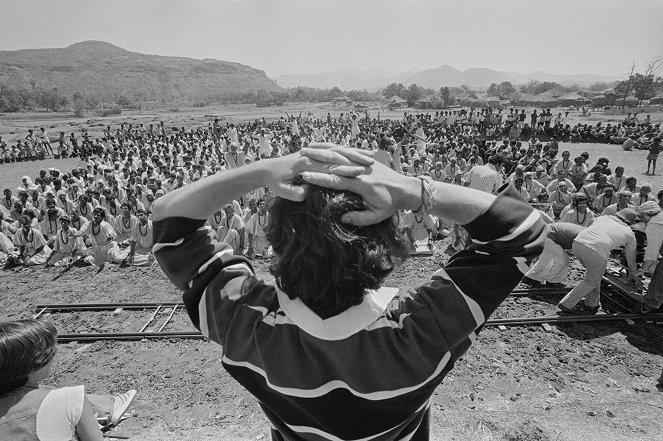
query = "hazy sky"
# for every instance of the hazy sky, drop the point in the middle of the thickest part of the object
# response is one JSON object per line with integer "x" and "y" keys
{"x": 307, "y": 36}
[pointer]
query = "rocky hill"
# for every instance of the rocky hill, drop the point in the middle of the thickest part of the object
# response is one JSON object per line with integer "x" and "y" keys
{"x": 105, "y": 70}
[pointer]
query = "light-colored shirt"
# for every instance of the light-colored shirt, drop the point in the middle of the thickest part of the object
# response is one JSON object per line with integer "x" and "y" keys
{"x": 574, "y": 217}
{"x": 607, "y": 233}
{"x": 142, "y": 235}
{"x": 484, "y": 178}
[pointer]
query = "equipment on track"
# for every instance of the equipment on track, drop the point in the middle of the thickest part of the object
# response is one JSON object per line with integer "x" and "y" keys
{"x": 618, "y": 295}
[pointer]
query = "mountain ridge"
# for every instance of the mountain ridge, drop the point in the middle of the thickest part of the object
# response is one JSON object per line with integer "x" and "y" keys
{"x": 101, "y": 68}
{"x": 444, "y": 75}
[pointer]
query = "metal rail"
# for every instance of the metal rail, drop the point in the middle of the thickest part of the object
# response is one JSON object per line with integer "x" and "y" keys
{"x": 571, "y": 319}
{"x": 105, "y": 306}
{"x": 129, "y": 336}
{"x": 539, "y": 292}
{"x": 521, "y": 321}
{"x": 62, "y": 307}
{"x": 545, "y": 321}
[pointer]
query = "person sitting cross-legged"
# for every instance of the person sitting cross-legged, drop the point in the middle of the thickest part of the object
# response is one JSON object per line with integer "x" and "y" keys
{"x": 140, "y": 250}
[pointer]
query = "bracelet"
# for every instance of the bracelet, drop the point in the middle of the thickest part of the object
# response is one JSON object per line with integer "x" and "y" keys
{"x": 427, "y": 195}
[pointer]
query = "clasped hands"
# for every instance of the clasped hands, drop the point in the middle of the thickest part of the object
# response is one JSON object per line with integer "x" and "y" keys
{"x": 341, "y": 168}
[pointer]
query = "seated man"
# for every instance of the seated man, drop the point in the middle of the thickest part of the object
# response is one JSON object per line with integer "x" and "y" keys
{"x": 30, "y": 243}
{"x": 140, "y": 252}
{"x": 68, "y": 242}
{"x": 101, "y": 235}
{"x": 606, "y": 199}
{"x": 578, "y": 213}
{"x": 124, "y": 224}
{"x": 256, "y": 231}
{"x": 326, "y": 349}
{"x": 231, "y": 229}
{"x": 6, "y": 244}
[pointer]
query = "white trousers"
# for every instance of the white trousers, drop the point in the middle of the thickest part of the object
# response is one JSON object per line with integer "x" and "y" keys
{"x": 552, "y": 266}
{"x": 590, "y": 287}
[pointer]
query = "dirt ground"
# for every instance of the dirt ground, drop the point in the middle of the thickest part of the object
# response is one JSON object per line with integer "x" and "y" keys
{"x": 579, "y": 382}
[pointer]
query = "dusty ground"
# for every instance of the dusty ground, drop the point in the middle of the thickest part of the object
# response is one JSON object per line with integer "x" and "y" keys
{"x": 584, "y": 381}
{"x": 580, "y": 382}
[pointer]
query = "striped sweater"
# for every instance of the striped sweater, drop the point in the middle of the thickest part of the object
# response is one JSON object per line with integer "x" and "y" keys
{"x": 369, "y": 372}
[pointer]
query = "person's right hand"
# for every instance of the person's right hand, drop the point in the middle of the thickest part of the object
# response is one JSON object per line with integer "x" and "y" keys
{"x": 383, "y": 190}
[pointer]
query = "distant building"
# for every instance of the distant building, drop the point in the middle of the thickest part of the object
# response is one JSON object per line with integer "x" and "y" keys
{"x": 341, "y": 101}
{"x": 396, "y": 102}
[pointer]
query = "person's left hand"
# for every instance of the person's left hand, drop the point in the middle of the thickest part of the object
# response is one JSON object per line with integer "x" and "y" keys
{"x": 633, "y": 277}
{"x": 284, "y": 173}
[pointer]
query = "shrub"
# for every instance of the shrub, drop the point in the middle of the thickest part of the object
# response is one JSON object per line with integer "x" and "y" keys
{"x": 116, "y": 110}
{"x": 617, "y": 110}
{"x": 79, "y": 108}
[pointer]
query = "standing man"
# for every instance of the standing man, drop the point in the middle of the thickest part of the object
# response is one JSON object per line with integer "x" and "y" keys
{"x": 654, "y": 150}
{"x": 592, "y": 248}
{"x": 651, "y": 212}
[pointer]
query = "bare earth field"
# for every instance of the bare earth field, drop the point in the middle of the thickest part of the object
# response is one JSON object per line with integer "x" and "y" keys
{"x": 592, "y": 382}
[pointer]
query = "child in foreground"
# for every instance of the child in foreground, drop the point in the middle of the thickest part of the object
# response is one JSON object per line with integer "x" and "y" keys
{"x": 30, "y": 412}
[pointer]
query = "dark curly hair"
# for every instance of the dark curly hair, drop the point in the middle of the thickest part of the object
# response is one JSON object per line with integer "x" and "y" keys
{"x": 25, "y": 347}
{"x": 325, "y": 263}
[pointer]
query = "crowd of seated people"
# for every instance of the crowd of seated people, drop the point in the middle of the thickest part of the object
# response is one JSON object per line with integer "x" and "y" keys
{"x": 488, "y": 123}
{"x": 101, "y": 211}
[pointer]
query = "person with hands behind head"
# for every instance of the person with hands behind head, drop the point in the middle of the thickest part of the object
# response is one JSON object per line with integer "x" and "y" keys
{"x": 326, "y": 349}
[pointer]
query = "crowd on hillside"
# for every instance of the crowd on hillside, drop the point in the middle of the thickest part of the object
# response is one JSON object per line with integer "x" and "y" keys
{"x": 101, "y": 212}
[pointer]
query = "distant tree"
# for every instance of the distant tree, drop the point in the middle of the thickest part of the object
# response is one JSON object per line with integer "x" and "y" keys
{"x": 123, "y": 101}
{"x": 600, "y": 86}
{"x": 300, "y": 95}
{"x": 394, "y": 89}
{"x": 92, "y": 102}
{"x": 78, "y": 103}
{"x": 506, "y": 89}
{"x": 414, "y": 94}
{"x": 335, "y": 92}
{"x": 502, "y": 90}
{"x": 537, "y": 87}
{"x": 15, "y": 100}
{"x": 645, "y": 85}
{"x": 445, "y": 95}
{"x": 51, "y": 100}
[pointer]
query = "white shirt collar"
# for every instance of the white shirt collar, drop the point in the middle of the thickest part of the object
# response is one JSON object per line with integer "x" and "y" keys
{"x": 340, "y": 326}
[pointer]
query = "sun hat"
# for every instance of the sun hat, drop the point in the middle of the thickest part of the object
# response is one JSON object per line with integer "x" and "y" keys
{"x": 649, "y": 207}
{"x": 628, "y": 215}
